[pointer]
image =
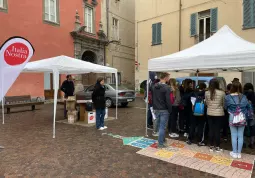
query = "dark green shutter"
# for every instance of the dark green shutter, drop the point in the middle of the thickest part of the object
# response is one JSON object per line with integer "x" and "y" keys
{"x": 159, "y": 33}
{"x": 247, "y": 13}
{"x": 154, "y": 33}
{"x": 214, "y": 20}
{"x": 253, "y": 13}
{"x": 193, "y": 24}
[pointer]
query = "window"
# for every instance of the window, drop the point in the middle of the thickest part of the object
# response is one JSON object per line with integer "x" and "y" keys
{"x": 114, "y": 79}
{"x": 207, "y": 24}
{"x": 89, "y": 19}
{"x": 115, "y": 28}
{"x": 204, "y": 25}
{"x": 90, "y": 89}
{"x": 248, "y": 14}
{"x": 156, "y": 33}
{"x": 51, "y": 11}
{"x": 3, "y": 5}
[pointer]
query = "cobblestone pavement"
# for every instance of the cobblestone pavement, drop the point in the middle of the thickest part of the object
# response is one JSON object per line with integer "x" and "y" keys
{"x": 80, "y": 151}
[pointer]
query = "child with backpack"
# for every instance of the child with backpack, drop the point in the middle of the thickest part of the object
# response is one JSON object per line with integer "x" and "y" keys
{"x": 198, "y": 120}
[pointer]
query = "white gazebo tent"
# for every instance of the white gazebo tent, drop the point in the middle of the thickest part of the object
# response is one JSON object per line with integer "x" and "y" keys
{"x": 225, "y": 51}
{"x": 67, "y": 65}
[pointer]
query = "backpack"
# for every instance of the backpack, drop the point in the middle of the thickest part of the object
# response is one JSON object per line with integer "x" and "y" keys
{"x": 199, "y": 106}
{"x": 239, "y": 117}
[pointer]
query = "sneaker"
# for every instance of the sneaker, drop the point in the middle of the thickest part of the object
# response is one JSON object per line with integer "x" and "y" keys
{"x": 101, "y": 128}
{"x": 188, "y": 142}
{"x": 155, "y": 134}
{"x": 239, "y": 156}
{"x": 233, "y": 155}
{"x": 174, "y": 135}
{"x": 201, "y": 144}
{"x": 211, "y": 148}
{"x": 218, "y": 149}
{"x": 105, "y": 127}
{"x": 225, "y": 139}
{"x": 162, "y": 146}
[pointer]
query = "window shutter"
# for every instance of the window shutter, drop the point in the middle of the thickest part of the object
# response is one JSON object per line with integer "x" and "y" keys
{"x": 154, "y": 33}
{"x": 253, "y": 13}
{"x": 247, "y": 12}
{"x": 193, "y": 24}
{"x": 214, "y": 20}
{"x": 159, "y": 33}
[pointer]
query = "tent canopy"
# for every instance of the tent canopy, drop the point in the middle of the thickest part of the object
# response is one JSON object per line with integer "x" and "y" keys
{"x": 223, "y": 52}
{"x": 66, "y": 65}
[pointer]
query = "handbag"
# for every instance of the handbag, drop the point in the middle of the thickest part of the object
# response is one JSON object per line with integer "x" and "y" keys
{"x": 238, "y": 116}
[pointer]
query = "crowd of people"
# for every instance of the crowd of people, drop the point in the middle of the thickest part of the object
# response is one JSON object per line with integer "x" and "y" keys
{"x": 203, "y": 114}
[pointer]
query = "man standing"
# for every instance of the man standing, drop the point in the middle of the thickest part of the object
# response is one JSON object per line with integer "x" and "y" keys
{"x": 68, "y": 88}
{"x": 162, "y": 105}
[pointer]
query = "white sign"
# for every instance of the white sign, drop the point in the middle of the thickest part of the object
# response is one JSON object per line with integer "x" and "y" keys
{"x": 14, "y": 55}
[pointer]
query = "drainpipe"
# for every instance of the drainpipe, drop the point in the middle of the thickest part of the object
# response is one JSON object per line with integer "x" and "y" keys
{"x": 107, "y": 28}
{"x": 180, "y": 27}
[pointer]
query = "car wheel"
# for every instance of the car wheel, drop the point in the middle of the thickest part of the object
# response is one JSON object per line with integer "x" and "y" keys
{"x": 124, "y": 104}
{"x": 108, "y": 103}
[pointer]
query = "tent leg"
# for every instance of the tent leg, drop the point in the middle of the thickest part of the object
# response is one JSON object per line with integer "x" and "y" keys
{"x": 55, "y": 86}
{"x": 147, "y": 107}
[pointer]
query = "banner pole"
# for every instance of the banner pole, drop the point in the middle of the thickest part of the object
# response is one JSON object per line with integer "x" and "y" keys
{"x": 2, "y": 84}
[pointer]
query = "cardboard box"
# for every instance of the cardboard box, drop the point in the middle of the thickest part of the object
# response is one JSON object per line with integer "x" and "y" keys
{"x": 90, "y": 117}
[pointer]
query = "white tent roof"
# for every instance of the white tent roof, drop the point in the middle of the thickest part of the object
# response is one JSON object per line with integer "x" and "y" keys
{"x": 224, "y": 51}
{"x": 66, "y": 65}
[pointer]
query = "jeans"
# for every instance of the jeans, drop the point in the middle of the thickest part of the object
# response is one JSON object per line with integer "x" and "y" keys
{"x": 149, "y": 116}
{"x": 214, "y": 129}
{"x": 100, "y": 114}
{"x": 237, "y": 138}
{"x": 163, "y": 116}
{"x": 172, "y": 123}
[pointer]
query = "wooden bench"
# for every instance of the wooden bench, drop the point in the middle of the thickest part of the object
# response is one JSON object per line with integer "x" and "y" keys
{"x": 20, "y": 101}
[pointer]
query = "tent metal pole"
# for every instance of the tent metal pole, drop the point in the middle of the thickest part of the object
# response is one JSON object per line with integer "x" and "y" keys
{"x": 116, "y": 81}
{"x": 2, "y": 90}
{"x": 56, "y": 83}
{"x": 147, "y": 107}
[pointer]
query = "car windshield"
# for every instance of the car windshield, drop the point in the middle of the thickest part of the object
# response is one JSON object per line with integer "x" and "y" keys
{"x": 120, "y": 87}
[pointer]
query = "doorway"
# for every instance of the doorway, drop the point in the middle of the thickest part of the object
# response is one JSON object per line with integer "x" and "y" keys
{"x": 89, "y": 79}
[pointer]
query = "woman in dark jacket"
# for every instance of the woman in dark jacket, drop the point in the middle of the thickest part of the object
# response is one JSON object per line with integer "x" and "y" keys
{"x": 98, "y": 98}
{"x": 186, "y": 102}
{"x": 248, "y": 91}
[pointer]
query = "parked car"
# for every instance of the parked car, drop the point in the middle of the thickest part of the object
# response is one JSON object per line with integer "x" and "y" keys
{"x": 206, "y": 80}
{"x": 125, "y": 95}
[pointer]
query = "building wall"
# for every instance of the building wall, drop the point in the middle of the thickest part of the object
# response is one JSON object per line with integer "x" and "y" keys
{"x": 26, "y": 19}
{"x": 121, "y": 56}
{"x": 148, "y": 12}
